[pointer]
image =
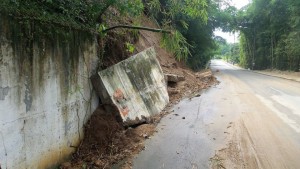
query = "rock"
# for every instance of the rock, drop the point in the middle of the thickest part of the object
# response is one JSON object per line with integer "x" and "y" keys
{"x": 98, "y": 163}
{"x": 174, "y": 78}
{"x": 145, "y": 136}
{"x": 173, "y": 91}
{"x": 183, "y": 117}
{"x": 205, "y": 75}
{"x": 174, "y": 65}
{"x": 167, "y": 66}
{"x": 66, "y": 165}
{"x": 197, "y": 95}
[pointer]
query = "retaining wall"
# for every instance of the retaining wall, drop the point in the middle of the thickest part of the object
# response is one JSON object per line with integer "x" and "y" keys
{"x": 45, "y": 93}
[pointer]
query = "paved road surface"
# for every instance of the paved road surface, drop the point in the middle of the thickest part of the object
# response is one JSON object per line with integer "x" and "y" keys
{"x": 249, "y": 120}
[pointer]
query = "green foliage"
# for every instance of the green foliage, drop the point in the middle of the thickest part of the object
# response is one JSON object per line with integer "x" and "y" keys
{"x": 196, "y": 9}
{"x": 223, "y": 46}
{"x": 242, "y": 59}
{"x": 135, "y": 32}
{"x": 131, "y": 7}
{"x": 270, "y": 34}
{"x": 190, "y": 8}
{"x": 234, "y": 53}
{"x": 154, "y": 7}
{"x": 101, "y": 28}
{"x": 225, "y": 18}
{"x": 200, "y": 36}
{"x": 227, "y": 51}
{"x": 129, "y": 47}
{"x": 76, "y": 14}
{"x": 217, "y": 57}
{"x": 177, "y": 44}
{"x": 192, "y": 41}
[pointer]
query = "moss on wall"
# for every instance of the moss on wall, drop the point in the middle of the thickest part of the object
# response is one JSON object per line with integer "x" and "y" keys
{"x": 47, "y": 97}
{"x": 33, "y": 42}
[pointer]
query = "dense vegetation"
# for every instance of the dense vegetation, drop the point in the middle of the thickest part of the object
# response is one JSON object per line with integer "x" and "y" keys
{"x": 270, "y": 29}
{"x": 76, "y": 14}
{"x": 227, "y": 51}
{"x": 190, "y": 21}
{"x": 270, "y": 34}
{"x": 194, "y": 36}
{"x": 191, "y": 40}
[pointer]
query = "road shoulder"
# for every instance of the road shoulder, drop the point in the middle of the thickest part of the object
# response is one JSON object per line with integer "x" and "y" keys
{"x": 294, "y": 76}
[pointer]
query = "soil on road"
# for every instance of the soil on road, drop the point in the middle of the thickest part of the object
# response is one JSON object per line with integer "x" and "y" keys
{"x": 249, "y": 121}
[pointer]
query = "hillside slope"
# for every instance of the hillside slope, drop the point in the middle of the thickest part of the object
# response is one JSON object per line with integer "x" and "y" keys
{"x": 106, "y": 141}
{"x": 193, "y": 81}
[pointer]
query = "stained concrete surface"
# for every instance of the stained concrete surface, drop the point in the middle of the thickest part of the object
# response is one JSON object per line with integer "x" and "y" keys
{"x": 45, "y": 94}
{"x": 4, "y": 92}
{"x": 136, "y": 86}
{"x": 260, "y": 114}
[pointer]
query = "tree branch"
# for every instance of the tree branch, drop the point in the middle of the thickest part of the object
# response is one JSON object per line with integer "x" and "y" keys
{"x": 136, "y": 27}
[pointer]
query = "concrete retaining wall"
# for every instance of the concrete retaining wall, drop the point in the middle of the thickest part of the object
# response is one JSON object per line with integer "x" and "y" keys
{"x": 45, "y": 94}
{"x": 136, "y": 86}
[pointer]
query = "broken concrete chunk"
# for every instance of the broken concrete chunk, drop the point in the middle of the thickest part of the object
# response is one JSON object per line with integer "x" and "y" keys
{"x": 205, "y": 75}
{"x": 135, "y": 86}
{"x": 172, "y": 91}
{"x": 174, "y": 78}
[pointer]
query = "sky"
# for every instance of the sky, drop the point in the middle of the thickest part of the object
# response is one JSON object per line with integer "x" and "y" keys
{"x": 230, "y": 37}
{"x": 239, "y": 3}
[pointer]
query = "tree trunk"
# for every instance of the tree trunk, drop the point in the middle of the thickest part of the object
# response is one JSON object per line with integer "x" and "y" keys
{"x": 298, "y": 67}
{"x": 272, "y": 51}
{"x": 254, "y": 51}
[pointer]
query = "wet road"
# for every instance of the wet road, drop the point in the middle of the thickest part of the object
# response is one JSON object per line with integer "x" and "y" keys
{"x": 252, "y": 118}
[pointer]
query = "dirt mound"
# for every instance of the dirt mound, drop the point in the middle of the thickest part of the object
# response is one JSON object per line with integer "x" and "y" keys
{"x": 101, "y": 127}
{"x": 107, "y": 142}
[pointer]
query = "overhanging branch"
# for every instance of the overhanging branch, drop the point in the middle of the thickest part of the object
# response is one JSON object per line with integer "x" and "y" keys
{"x": 136, "y": 27}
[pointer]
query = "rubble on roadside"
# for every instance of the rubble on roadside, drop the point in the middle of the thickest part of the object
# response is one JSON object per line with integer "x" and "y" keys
{"x": 107, "y": 142}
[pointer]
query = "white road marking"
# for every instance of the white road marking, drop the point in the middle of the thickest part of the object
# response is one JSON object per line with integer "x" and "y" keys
{"x": 281, "y": 115}
{"x": 276, "y": 90}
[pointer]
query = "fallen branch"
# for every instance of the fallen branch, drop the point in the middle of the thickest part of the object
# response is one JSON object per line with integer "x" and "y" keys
{"x": 136, "y": 27}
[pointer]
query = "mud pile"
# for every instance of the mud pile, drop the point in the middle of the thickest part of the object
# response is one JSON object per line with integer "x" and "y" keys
{"x": 106, "y": 142}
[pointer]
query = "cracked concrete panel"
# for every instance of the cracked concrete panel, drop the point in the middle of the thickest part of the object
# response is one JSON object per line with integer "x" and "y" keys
{"x": 136, "y": 86}
{"x": 4, "y": 92}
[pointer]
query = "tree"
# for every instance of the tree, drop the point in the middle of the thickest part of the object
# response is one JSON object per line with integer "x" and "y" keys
{"x": 270, "y": 32}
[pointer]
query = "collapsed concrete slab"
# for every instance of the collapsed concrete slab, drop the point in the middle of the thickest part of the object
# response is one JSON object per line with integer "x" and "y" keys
{"x": 136, "y": 86}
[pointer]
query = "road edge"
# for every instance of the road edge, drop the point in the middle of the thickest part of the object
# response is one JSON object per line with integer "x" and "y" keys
{"x": 262, "y": 73}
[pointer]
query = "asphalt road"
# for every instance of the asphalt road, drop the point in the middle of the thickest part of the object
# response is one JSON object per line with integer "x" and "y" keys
{"x": 250, "y": 120}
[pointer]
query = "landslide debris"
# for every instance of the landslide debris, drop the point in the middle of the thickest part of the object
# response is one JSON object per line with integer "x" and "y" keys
{"x": 106, "y": 141}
